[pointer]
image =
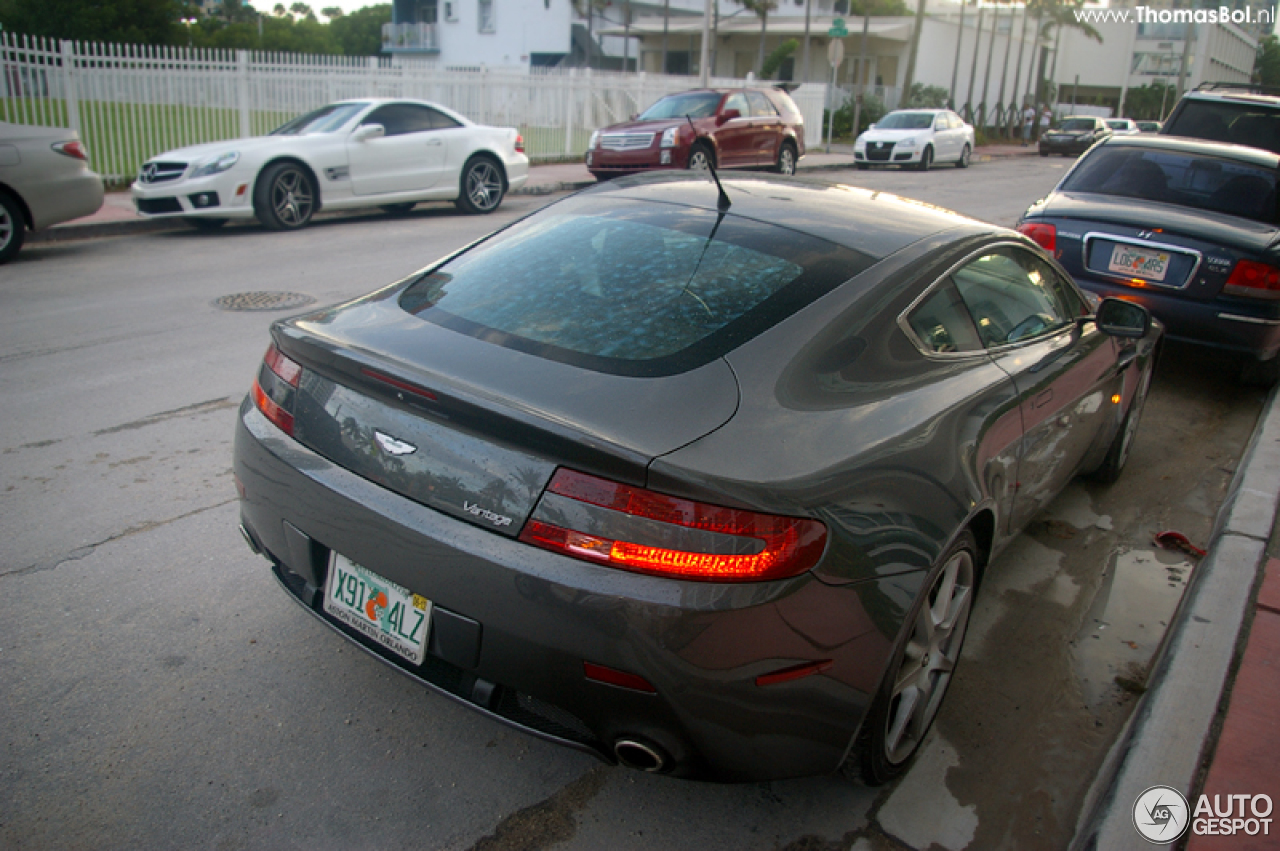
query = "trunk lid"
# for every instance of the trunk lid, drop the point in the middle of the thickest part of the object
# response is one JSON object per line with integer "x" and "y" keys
{"x": 473, "y": 429}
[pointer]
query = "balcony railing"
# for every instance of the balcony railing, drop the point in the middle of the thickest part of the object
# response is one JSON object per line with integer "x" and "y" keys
{"x": 409, "y": 37}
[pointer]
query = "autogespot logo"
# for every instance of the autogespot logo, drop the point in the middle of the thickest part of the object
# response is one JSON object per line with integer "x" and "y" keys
{"x": 1160, "y": 814}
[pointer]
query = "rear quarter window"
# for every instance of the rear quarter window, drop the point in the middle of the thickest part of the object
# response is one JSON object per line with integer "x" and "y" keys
{"x": 629, "y": 287}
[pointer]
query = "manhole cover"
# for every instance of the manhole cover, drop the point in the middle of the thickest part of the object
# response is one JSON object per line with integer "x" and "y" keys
{"x": 262, "y": 301}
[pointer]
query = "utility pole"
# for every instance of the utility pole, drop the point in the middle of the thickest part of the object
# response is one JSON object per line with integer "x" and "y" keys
{"x": 804, "y": 76}
{"x": 704, "y": 72}
{"x": 955, "y": 64}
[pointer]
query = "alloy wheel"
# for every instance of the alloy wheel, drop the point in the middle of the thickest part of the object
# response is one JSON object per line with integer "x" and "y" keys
{"x": 929, "y": 658}
{"x": 291, "y": 198}
{"x": 484, "y": 186}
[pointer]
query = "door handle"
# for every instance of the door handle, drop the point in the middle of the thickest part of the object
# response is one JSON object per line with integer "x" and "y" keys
{"x": 435, "y": 143}
{"x": 1043, "y": 399}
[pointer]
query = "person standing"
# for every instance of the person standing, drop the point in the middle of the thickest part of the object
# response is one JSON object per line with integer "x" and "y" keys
{"x": 1028, "y": 124}
{"x": 1046, "y": 118}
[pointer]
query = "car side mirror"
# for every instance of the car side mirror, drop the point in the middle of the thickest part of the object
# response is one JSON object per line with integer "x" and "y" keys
{"x": 1120, "y": 318}
{"x": 728, "y": 115}
{"x": 366, "y": 132}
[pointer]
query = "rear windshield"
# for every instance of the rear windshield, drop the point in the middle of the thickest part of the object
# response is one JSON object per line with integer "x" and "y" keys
{"x": 629, "y": 287}
{"x": 1189, "y": 180}
{"x": 693, "y": 105}
{"x": 1255, "y": 125}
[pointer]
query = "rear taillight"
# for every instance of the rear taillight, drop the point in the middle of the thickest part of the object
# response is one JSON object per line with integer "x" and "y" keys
{"x": 274, "y": 388}
{"x": 1254, "y": 280}
{"x": 1044, "y": 235}
{"x": 71, "y": 149}
{"x": 519, "y": 144}
{"x": 636, "y": 529}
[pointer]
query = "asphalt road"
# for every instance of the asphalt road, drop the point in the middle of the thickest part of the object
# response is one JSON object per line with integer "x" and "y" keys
{"x": 161, "y": 692}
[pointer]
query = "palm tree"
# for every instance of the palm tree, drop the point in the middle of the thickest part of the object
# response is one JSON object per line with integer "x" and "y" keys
{"x": 762, "y": 8}
{"x": 1058, "y": 14}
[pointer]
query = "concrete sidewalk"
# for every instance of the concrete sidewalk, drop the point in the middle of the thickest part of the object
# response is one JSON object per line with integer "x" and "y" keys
{"x": 117, "y": 216}
{"x": 1198, "y": 729}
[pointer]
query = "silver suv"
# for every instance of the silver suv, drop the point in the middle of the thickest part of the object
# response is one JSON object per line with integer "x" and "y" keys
{"x": 1228, "y": 112}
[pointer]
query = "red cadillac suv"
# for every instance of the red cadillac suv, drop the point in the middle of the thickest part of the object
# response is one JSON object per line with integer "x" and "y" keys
{"x": 732, "y": 128}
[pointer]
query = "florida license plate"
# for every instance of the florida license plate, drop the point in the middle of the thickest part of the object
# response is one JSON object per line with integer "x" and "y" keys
{"x": 1134, "y": 262}
{"x": 378, "y": 608}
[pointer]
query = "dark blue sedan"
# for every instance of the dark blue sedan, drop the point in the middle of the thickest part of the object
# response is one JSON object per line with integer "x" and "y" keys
{"x": 1187, "y": 228}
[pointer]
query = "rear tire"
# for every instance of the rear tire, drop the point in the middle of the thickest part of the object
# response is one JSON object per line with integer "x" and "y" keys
{"x": 963, "y": 162}
{"x": 483, "y": 186}
{"x": 12, "y": 227}
{"x": 916, "y": 681}
{"x": 786, "y": 160}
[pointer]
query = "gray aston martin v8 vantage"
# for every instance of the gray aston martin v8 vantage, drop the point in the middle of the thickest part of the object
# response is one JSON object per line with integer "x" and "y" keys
{"x": 701, "y": 485}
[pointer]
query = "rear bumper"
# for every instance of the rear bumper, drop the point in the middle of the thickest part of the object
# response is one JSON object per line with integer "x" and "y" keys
{"x": 63, "y": 198}
{"x": 514, "y": 625}
{"x": 1231, "y": 325}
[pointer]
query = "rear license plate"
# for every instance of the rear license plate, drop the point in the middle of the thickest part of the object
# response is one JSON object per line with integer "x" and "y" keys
{"x": 378, "y": 608}
{"x": 1134, "y": 262}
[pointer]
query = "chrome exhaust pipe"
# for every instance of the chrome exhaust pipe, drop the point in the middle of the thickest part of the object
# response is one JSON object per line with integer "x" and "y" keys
{"x": 248, "y": 539}
{"x": 640, "y": 756}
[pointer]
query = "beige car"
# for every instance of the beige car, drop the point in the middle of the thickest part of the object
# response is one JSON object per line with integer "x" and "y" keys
{"x": 44, "y": 179}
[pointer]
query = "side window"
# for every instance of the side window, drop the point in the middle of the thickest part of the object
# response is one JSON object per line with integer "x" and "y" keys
{"x": 942, "y": 323}
{"x": 400, "y": 118}
{"x": 1013, "y": 296}
{"x": 760, "y": 106}
{"x": 440, "y": 121}
{"x": 941, "y": 122}
{"x": 738, "y": 101}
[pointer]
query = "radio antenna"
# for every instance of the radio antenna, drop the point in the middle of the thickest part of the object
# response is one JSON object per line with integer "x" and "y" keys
{"x": 724, "y": 203}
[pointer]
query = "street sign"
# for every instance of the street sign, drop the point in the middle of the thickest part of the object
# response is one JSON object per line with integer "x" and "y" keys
{"x": 838, "y": 29}
{"x": 835, "y": 53}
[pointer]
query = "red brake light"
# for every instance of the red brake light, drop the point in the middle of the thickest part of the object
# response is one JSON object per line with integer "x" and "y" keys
{"x": 71, "y": 149}
{"x": 689, "y": 540}
{"x": 274, "y": 387}
{"x": 1253, "y": 279}
{"x": 519, "y": 144}
{"x": 1044, "y": 235}
{"x": 614, "y": 677}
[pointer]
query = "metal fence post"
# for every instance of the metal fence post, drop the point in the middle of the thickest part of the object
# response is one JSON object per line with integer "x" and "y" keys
{"x": 242, "y": 92}
{"x": 69, "y": 91}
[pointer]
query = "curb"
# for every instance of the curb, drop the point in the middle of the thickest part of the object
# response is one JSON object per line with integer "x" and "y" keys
{"x": 1169, "y": 731}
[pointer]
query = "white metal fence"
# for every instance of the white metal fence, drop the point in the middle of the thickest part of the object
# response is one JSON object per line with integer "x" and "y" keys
{"x": 130, "y": 102}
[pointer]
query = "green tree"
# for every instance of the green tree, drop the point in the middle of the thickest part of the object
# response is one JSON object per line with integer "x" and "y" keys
{"x": 926, "y": 97}
{"x": 332, "y": 12}
{"x": 360, "y": 33}
{"x": 777, "y": 57}
{"x": 761, "y": 8}
{"x": 131, "y": 21}
{"x": 1266, "y": 66}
